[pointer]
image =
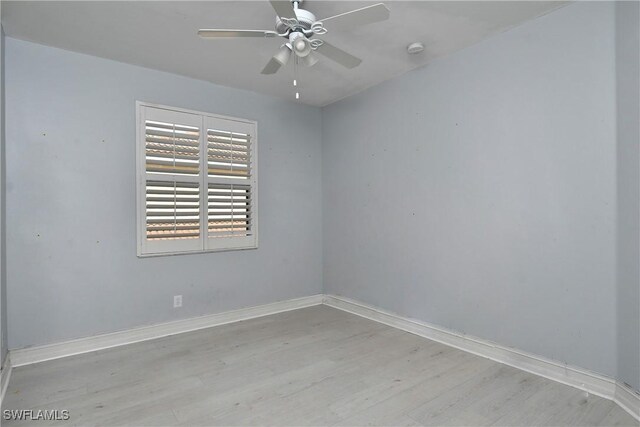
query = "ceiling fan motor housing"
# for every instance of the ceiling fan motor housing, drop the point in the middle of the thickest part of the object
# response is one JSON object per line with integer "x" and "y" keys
{"x": 305, "y": 19}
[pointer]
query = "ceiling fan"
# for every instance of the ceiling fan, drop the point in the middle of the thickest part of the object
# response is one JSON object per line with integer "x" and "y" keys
{"x": 300, "y": 27}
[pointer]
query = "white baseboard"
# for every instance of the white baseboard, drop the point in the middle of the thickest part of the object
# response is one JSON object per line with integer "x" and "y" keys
{"x": 5, "y": 375}
{"x": 29, "y": 355}
{"x": 628, "y": 399}
{"x": 570, "y": 375}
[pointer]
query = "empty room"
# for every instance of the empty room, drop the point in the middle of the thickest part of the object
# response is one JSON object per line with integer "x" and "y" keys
{"x": 320, "y": 213}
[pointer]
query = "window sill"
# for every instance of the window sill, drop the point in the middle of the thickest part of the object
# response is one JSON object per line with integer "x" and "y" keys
{"x": 153, "y": 255}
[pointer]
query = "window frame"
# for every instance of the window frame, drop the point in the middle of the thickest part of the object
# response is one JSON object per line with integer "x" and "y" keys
{"x": 203, "y": 179}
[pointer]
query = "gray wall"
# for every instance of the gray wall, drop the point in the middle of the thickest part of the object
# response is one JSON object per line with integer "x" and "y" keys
{"x": 628, "y": 222}
{"x": 71, "y": 225}
{"x": 478, "y": 193}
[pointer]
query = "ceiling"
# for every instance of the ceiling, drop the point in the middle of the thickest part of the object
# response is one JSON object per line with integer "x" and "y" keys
{"x": 162, "y": 35}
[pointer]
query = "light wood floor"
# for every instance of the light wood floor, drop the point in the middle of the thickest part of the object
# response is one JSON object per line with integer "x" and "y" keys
{"x": 314, "y": 366}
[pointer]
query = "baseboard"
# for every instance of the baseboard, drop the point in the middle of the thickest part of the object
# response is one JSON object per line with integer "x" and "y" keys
{"x": 29, "y": 355}
{"x": 553, "y": 370}
{"x": 628, "y": 399}
{"x": 5, "y": 375}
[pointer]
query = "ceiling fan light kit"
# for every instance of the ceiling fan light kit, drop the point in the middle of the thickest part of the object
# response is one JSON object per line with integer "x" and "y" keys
{"x": 310, "y": 60}
{"x": 301, "y": 44}
{"x": 300, "y": 28}
{"x": 283, "y": 54}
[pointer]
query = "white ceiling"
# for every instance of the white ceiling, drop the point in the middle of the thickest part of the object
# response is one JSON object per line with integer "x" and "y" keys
{"x": 162, "y": 35}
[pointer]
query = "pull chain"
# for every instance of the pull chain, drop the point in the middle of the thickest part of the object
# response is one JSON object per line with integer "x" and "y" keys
{"x": 295, "y": 76}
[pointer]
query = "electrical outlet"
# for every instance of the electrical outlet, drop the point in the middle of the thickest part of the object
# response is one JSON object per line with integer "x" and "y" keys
{"x": 177, "y": 301}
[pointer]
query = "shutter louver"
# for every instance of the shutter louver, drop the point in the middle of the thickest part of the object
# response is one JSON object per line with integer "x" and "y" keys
{"x": 172, "y": 210}
{"x": 172, "y": 148}
{"x": 229, "y": 210}
{"x": 228, "y": 154}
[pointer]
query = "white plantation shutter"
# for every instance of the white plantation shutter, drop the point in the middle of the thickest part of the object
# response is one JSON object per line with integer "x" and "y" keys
{"x": 229, "y": 152}
{"x": 172, "y": 210}
{"x": 196, "y": 182}
{"x": 229, "y": 210}
{"x": 172, "y": 148}
{"x": 230, "y": 180}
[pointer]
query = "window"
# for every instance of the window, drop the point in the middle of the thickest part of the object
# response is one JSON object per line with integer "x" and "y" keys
{"x": 197, "y": 182}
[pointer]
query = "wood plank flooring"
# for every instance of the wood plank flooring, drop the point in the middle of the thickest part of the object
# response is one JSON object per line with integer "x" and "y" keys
{"x": 313, "y": 366}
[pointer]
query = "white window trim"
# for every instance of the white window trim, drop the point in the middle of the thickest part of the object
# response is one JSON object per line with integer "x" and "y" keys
{"x": 141, "y": 176}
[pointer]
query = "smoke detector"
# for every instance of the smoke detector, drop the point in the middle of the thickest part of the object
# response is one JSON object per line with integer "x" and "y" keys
{"x": 414, "y": 48}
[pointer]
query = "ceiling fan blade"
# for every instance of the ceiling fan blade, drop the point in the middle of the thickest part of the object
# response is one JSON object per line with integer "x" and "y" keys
{"x": 338, "y": 55}
{"x": 355, "y": 18}
{"x": 284, "y": 9}
{"x": 215, "y": 34}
